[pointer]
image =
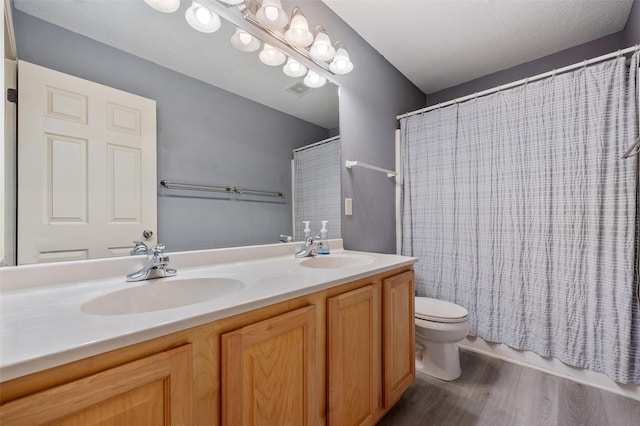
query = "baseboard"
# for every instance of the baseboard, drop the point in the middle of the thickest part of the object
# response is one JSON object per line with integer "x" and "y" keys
{"x": 549, "y": 365}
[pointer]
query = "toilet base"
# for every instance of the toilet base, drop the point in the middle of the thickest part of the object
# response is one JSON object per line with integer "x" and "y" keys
{"x": 439, "y": 360}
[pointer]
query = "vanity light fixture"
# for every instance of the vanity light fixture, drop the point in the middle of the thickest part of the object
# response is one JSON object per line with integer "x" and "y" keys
{"x": 165, "y": 6}
{"x": 271, "y": 15}
{"x": 315, "y": 80}
{"x": 202, "y": 19}
{"x": 321, "y": 49}
{"x": 298, "y": 34}
{"x": 272, "y": 56}
{"x": 244, "y": 41}
{"x": 294, "y": 68}
{"x": 341, "y": 64}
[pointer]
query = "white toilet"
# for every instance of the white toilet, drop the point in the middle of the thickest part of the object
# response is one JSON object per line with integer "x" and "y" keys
{"x": 440, "y": 326}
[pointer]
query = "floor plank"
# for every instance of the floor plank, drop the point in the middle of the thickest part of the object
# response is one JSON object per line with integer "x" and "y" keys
{"x": 493, "y": 392}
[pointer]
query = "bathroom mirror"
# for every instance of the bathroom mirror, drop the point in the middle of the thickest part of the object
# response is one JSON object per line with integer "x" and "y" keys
{"x": 223, "y": 117}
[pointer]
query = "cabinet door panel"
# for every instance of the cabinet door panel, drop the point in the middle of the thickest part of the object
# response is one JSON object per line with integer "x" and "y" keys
{"x": 269, "y": 371}
{"x": 143, "y": 405}
{"x": 398, "y": 336}
{"x": 154, "y": 390}
{"x": 354, "y": 356}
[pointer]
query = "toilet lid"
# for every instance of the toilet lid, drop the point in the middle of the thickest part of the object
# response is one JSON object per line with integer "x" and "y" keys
{"x": 439, "y": 310}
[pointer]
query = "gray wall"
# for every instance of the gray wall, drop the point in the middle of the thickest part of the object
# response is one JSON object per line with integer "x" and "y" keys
{"x": 620, "y": 40}
{"x": 370, "y": 98}
{"x": 200, "y": 139}
{"x": 631, "y": 33}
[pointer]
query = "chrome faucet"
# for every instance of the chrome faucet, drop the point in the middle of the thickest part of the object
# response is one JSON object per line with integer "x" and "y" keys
{"x": 286, "y": 238}
{"x": 140, "y": 248}
{"x": 311, "y": 245}
{"x": 156, "y": 266}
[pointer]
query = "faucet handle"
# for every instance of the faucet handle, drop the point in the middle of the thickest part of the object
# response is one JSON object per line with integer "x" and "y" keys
{"x": 286, "y": 238}
{"x": 140, "y": 248}
{"x": 158, "y": 249}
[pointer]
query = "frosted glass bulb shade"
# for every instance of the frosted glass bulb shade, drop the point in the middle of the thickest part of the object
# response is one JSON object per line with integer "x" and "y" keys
{"x": 294, "y": 68}
{"x": 315, "y": 80}
{"x": 271, "y": 15}
{"x": 165, "y": 6}
{"x": 341, "y": 63}
{"x": 298, "y": 34}
{"x": 202, "y": 19}
{"x": 272, "y": 56}
{"x": 321, "y": 49}
{"x": 244, "y": 41}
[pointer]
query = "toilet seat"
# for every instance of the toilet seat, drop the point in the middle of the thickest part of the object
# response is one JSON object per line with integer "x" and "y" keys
{"x": 435, "y": 310}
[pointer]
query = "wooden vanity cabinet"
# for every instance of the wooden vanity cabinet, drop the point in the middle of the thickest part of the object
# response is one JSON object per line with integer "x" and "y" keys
{"x": 340, "y": 356}
{"x": 370, "y": 349}
{"x": 269, "y": 371}
{"x": 354, "y": 357}
{"x": 398, "y": 335}
{"x": 154, "y": 390}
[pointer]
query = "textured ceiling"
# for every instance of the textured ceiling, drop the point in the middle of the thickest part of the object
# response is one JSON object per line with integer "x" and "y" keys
{"x": 439, "y": 44}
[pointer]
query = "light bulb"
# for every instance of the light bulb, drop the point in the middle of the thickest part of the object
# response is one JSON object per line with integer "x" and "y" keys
{"x": 341, "y": 63}
{"x": 298, "y": 34}
{"x": 245, "y": 38}
{"x": 165, "y": 6}
{"x": 244, "y": 41}
{"x": 294, "y": 68}
{"x": 203, "y": 15}
{"x": 271, "y": 15}
{"x": 321, "y": 49}
{"x": 272, "y": 56}
{"x": 202, "y": 19}
{"x": 315, "y": 80}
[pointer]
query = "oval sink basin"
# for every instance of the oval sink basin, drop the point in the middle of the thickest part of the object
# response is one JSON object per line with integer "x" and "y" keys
{"x": 157, "y": 296}
{"x": 336, "y": 261}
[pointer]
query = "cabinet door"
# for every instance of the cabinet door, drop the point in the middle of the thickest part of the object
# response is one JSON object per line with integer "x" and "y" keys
{"x": 151, "y": 391}
{"x": 398, "y": 336}
{"x": 270, "y": 371}
{"x": 354, "y": 356}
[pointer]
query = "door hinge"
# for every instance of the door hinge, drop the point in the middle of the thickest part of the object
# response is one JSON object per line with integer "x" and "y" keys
{"x": 12, "y": 95}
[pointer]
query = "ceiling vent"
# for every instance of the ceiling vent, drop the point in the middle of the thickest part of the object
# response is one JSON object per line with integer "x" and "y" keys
{"x": 299, "y": 88}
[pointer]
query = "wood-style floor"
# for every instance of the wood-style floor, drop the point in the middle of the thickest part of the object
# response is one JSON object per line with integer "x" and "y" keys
{"x": 498, "y": 393}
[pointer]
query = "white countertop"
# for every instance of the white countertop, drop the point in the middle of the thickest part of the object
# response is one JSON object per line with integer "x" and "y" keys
{"x": 42, "y": 324}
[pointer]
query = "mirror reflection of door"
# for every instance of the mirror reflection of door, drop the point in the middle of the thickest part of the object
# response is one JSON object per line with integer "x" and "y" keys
{"x": 317, "y": 187}
{"x": 86, "y": 168}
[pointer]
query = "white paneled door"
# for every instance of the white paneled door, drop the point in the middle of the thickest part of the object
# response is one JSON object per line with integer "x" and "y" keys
{"x": 86, "y": 168}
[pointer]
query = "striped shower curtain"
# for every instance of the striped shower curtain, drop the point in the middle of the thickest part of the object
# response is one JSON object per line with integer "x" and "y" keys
{"x": 520, "y": 209}
{"x": 317, "y": 187}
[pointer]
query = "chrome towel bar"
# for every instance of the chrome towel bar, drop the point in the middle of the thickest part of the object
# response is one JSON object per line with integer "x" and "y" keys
{"x": 227, "y": 189}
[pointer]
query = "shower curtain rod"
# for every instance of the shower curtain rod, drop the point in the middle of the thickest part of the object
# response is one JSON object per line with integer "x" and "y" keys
{"x": 313, "y": 145}
{"x": 523, "y": 81}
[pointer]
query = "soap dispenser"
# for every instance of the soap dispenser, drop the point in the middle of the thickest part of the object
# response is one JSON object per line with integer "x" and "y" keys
{"x": 324, "y": 242}
{"x": 307, "y": 230}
